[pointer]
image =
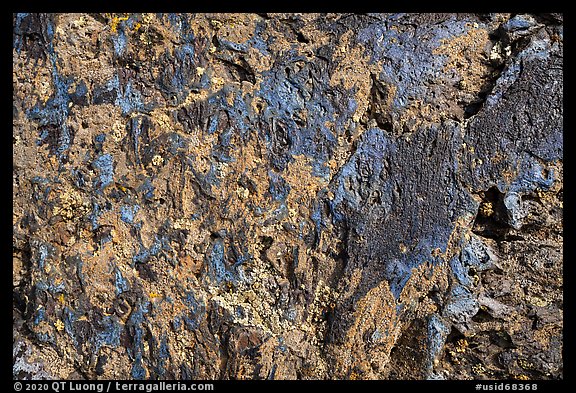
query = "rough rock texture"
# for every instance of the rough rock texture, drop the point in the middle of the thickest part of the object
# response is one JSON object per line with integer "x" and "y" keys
{"x": 287, "y": 196}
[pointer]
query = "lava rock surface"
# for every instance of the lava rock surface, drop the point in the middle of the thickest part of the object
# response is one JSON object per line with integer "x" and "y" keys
{"x": 287, "y": 196}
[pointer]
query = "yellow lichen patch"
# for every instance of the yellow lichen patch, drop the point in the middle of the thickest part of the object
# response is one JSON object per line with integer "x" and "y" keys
{"x": 461, "y": 345}
{"x": 242, "y": 192}
{"x": 157, "y": 160}
{"x": 115, "y": 20}
{"x": 117, "y": 131}
{"x": 478, "y": 369}
{"x": 526, "y": 365}
{"x": 59, "y": 325}
{"x": 324, "y": 299}
{"x": 162, "y": 122}
{"x": 45, "y": 90}
{"x": 217, "y": 83}
{"x": 537, "y": 301}
{"x": 354, "y": 376}
{"x": 403, "y": 248}
{"x": 486, "y": 209}
{"x": 71, "y": 205}
{"x": 216, "y": 24}
{"x": 454, "y": 358}
{"x": 521, "y": 377}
